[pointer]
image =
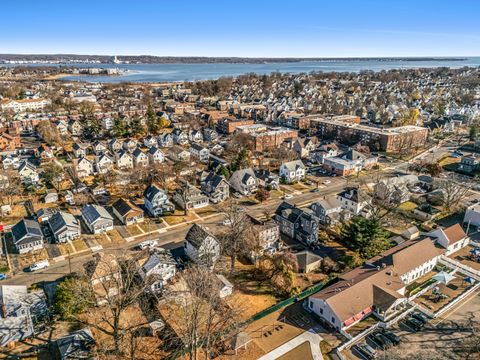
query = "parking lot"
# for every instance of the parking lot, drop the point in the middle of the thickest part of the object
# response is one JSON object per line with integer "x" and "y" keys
{"x": 438, "y": 339}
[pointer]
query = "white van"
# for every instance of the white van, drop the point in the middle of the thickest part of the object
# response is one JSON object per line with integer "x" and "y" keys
{"x": 39, "y": 265}
{"x": 147, "y": 244}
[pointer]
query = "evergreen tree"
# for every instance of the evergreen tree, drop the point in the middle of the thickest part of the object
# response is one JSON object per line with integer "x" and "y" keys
{"x": 366, "y": 236}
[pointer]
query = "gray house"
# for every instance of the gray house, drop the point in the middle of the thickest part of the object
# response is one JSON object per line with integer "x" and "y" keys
{"x": 156, "y": 201}
{"x": 328, "y": 210}
{"x": 27, "y": 236}
{"x": 77, "y": 345}
{"x": 64, "y": 227}
{"x": 97, "y": 219}
{"x": 296, "y": 223}
{"x": 189, "y": 197}
{"x": 216, "y": 187}
{"x": 244, "y": 181}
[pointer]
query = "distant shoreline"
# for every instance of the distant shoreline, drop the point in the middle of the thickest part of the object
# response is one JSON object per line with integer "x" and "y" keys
{"x": 72, "y": 59}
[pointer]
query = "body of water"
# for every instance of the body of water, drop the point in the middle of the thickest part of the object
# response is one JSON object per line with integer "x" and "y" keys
{"x": 190, "y": 72}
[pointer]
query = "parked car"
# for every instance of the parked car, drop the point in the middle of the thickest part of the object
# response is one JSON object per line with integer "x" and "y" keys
{"x": 39, "y": 265}
{"x": 365, "y": 351}
{"x": 227, "y": 222}
{"x": 413, "y": 324}
{"x": 420, "y": 317}
{"x": 3, "y": 276}
{"x": 288, "y": 196}
{"x": 147, "y": 244}
{"x": 379, "y": 341}
{"x": 326, "y": 182}
{"x": 395, "y": 339}
{"x": 314, "y": 190}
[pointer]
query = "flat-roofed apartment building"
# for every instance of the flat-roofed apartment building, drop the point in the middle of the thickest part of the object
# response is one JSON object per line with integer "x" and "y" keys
{"x": 383, "y": 139}
{"x": 228, "y": 126}
{"x": 264, "y": 136}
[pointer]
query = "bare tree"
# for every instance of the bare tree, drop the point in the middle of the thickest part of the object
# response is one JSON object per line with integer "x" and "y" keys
{"x": 453, "y": 193}
{"x": 10, "y": 186}
{"x": 198, "y": 315}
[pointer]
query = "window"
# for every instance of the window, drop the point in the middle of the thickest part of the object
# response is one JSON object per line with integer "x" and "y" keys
{"x": 321, "y": 311}
{"x": 333, "y": 320}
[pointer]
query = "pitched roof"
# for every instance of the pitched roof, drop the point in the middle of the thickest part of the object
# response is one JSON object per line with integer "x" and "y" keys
{"x": 294, "y": 165}
{"x": 123, "y": 207}
{"x": 197, "y": 234}
{"x": 454, "y": 233}
{"x": 413, "y": 256}
{"x": 76, "y": 345}
{"x": 63, "y": 220}
{"x": 92, "y": 213}
{"x": 26, "y": 230}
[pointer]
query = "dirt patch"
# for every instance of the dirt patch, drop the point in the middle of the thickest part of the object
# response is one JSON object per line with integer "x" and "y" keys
{"x": 79, "y": 245}
{"x": 302, "y": 351}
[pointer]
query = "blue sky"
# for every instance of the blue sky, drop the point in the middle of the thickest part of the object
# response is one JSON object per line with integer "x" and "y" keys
{"x": 253, "y": 28}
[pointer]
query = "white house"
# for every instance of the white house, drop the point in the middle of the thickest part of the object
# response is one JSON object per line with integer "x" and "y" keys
{"x": 84, "y": 167}
{"x": 160, "y": 267}
{"x": 28, "y": 173}
{"x": 140, "y": 159}
{"x": 97, "y": 218}
{"x": 201, "y": 246}
{"x": 200, "y": 152}
{"x": 124, "y": 160}
{"x": 64, "y": 227}
{"x": 156, "y": 201}
{"x": 452, "y": 238}
{"x": 103, "y": 163}
{"x": 155, "y": 155}
{"x": 292, "y": 171}
{"x": 244, "y": 181}
{"x": 472, "y": 215}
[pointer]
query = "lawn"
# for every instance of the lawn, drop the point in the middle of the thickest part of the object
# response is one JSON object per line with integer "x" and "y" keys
{"x": 133, "y": 230}
{"x": 79, "y": 245}
{"x": 178, "y": 218}
{"x": 115, "y": 236}
{"x": 449, "y": 163}
{"x": 408, "y": 206}
{"x": 65, "y": 249}
{"x": 103, "y": 240}
{"x": 30, "y": 258}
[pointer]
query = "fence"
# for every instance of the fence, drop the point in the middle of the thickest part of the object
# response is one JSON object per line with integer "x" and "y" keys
{"x": 304, "y": 294}
{"x": 466, "y": 269}
{"x": 456, "y": 301}
{"x": 358, "y": 337}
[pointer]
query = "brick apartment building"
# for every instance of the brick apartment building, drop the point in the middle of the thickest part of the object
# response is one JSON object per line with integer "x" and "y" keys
{"x": 228, "y": 126}
{"x": 386, "y": 139}
{"x": 264, "y": 137}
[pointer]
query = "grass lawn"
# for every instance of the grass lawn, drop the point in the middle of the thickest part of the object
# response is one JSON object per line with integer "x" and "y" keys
{"x": 408, "y": 206}
{"x": 148, "y": 227}
{"x": 103, "y": 240}
{"x": 299, "y": 186}
{"x": 275, "y": 194}
{"x": 178, "y": 218}
{"x": 133, "y": 230}
{"x": 79, "y": 245}
{"x": 65, "y": 249}
{"x": 30, "y": 258}
{"x": 115, "y": 236}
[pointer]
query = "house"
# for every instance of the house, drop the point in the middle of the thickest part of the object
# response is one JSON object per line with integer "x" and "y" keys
{"x": 9, "y": 142}
{"x": 298, "y": 224}
{"x": 190, "y": 197}
{"x": 395, "y": 190}
{"x": 426, "y": 212}
{"x": 27, "y": 236}
{"x": 45, "y": 213}
{"x": 324, "y": 152}
{"x": 349, "y": 163}
{"x": 244, "y": 181}
{"x": 177, "y": 153}
{"x": 155, "y": 155}
{"x": 292, "y": 171}
{"x": 115, "y": 145}
{"x": 452, "y": 238}
{"x": 28, "y": 173}
{"x": 303, "y": 146}
{"x": 84, "y": 167}
{"x": 44, "y": 153}
{"x": 64, "y": 227}
{"x": 22, "y": 312}
{"x": 104, "y": 163}
{"x": 50, "y": 197}
{"x": 104, "y": 275}
{"x": 99, "y": 147}
{"x": 215, "y": 187}
{"x": 267, "y": 179}
{"x": 210, "y": 134}
{"x": 201, "y": 246}
{"x": 469, "y": 164}
{"x": 355, "y": 201}
{"x": 200, "y": 152}
{"x": 376, "y": 288}
{"x": 307, "y": 261}
{"x": 328, "y": 210}
{"x": 472, "y": 216}
{"x": 77, "y": 345}
{"x": 75, "y": 127}
{"x": 160, "y": 267}
{"x": 79, "y": 150}
{"x": 165, "y": 140}
{"x": 124, "y": 160}
{"x": 268, "y": 234}
{"x": 97, "y": 219}
{"x": 156, "y": 201}
{"x": 150, "y": 141}
{"x": 127, "y": 212}
{"x": 195, "y": 136}
{"x": 11, "y": 161}
{"x": 62, "y": 127}
{"x": 107, "y": 123}
{"x": 140, "y": 159}
{"x": 225, "y": 287}
{"x": 129, "y": 145}
{"x": 179, "y": 137}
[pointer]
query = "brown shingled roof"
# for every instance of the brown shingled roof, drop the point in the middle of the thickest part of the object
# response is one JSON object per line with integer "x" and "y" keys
{"x": 454, "y": 233}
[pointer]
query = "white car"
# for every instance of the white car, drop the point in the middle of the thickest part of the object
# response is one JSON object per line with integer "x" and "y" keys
{"x": 147, "y": 244}
{"x": 288, "y": 196}
{"x": 227, "y": 222}
{"x": 39, "y": 265}
{"x": 327, "y": 182}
